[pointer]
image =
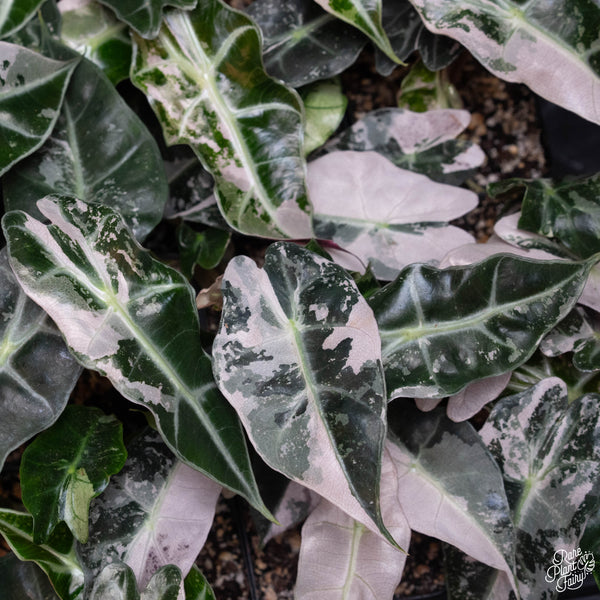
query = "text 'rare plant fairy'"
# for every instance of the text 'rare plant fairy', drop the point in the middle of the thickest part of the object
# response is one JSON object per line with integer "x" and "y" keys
{"x": 350, "y": 305}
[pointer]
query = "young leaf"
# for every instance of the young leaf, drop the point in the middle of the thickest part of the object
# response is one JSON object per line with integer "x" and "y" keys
{"x": 204, "y": 78}
{"x": 420, "y": 142}
{"x": 365, "y": 15}
{"x": 443, "y": 329}
{"x": 134, "y": 320}
{"x": 297, "y": 354}
{"x": 24, "y": 580}
{"x": 302, "y": 42}
{"x": 449, "y": 486}
{"x": 99, "y": 151}
{"x": 156, "y": 511}
{"x": 204, "y": 248}
{"x": 32, "y": 397}
{"x": 94, "y": 31}
{"x": 386, "y": 216}
{"x": 15, "y": 13}
{"x": 66, "y": 466}
{"x": 32, "y": 88}
{"x": 145, "y": 16}
{"x": 56, "y": 558}
{"x": 551, "y": 47}
{"x": 196, "y": 587}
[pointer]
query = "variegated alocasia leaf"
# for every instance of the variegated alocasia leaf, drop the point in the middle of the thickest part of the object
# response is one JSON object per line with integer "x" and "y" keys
{"x": 442, "y": 329}
{"x": 324, "y": 107}
{"x": 15, "y": 13}
{"x": 156, "y": 511}
{"x": 32, "y": 398}
{"x": 550, "y": 46}
{"x": 66, "y": 466}
{"x": 204, "y": 77}
{"x": 420, "y": 142}
{"x": 387, "y": 216}
{"x": 449, "y": 486}
{"x": 549, "y": 452}
{"x": 47, "y": 20}
{"x": 365, "y": 15}
{"x": 94, "y": 31}
{"x": 133, "y": 319}
{"x": 32, "y": 88}
{"x": 56, "y": 557}
{"x": 24, "y": 580}
{"x": 297, "y": 354}
{"x": 99, "y": 151}
{"x": 145, "y": 16}
{"x": 302, "y": 42}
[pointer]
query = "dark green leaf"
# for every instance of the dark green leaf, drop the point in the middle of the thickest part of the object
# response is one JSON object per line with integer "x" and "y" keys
{"x": 204, "y": 248}
{"x": 196, "y": 587}
{"x": 443, "y": 329}
{"x": 133, "y": 319}
{"x": 14, "y": 14}
{"x": 32, "y": 88}
{"x": 66, "y": 466}
{"x": 24, "y": 580}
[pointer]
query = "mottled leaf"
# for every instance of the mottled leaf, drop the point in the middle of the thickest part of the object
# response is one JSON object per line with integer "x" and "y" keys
{"x": 302, "y": 42}
{"x": 24, "y": 580}
{"x": 14, "y": 14}
{"x": 196, "y": 587}
{"x": 99, "y": 151}
{"x": 132, "y": 319}
{"x": 56, "y": 558}
{"x": 550, "y": 46}
{"x": 297, "y": 354}
{"x": 449, "y": 486}
{"x": 324, "y": 107}
{"x": 65, "y": 466}
{"x": 31, "y": 398}
{"x": 204, "y": 77}
{"x": 94, "y": 31}
{"x": 204, "y": 248}
{"x": 365, "y": 15}
{"x": 420, "y": 142}
{"x": 145, "y": 16}
{"x": 442, "y": 329}
{"x": 387, "y": 216}
{"x": 32, "y": 88}
{"x": 590, "y": 542}
{"x": 156, "y": 511}
{"x": 47, "y": 20}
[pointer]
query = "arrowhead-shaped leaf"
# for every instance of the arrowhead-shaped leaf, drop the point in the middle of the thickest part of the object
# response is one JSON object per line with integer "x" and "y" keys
{"x": 386, "y": 216}
{"x": 420, "y": 142}
{"x": 156, "y": 511}
{"x": 204, "y": 77}
{"x": 56, "y": 558}
{"x": 133, "y": 319}
{"x": 32, "y": 398}
{"x": 32, "y": 88}
{"x": 99, "y": 151}
{"x": 65, "y": 466}
{"x": 550, "y": 46}
{"x": 297, "y": 354}
{"x": 441, "y": 329}
{"x": 24, "y": 580}
{"x": 15, "y": 13}
{"x": 303, "y": 43}
{"x": 145, "y": 16}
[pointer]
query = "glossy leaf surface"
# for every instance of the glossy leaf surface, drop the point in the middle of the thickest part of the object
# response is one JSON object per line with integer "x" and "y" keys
{"x": 145, "y": 16}
{"x": 156, "y": 511}
{"x": 94, "y": 31}
{"x": 302, "y": 42}
{"x": 24, "y": 580}
{"x": 420, "y": 142}
{"x": 32, "y": 88}
{"x": 196, "y": 587}
{"x": 365, "y": 15}
{"x": 65, "y": 466}
{"x": 423, "y": 90}
{"x": 443, "y": 329}
{"x": 387, "y": 216}
{"x": 128, "y": 316}
{"x": 550, "y": 46}
{"x": 15, "y": 13}
{"x": 56, "y": 558}
{"x": 297, "y": 354}
{"x": 204, "y": 77}
{"x": 32, "y": 398}
{"x": 99, "y": 151}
